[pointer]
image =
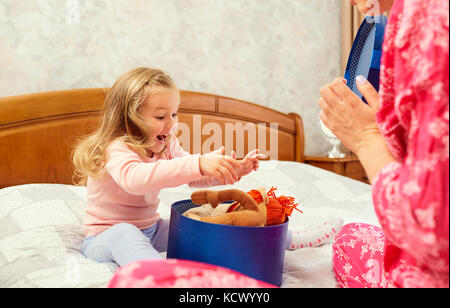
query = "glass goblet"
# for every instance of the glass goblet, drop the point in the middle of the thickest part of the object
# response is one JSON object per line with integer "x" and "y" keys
{"x": 335, "y": 152}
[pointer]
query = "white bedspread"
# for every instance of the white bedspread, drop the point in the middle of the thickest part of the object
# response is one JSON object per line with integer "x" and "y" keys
{"x": 41, "y": 226}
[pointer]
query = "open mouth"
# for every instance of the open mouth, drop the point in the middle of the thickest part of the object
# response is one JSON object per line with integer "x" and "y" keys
{"x": 162, "y": 138}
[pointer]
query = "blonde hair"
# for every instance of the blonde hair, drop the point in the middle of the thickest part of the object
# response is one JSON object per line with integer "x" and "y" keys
{"x": 120, "y": 119}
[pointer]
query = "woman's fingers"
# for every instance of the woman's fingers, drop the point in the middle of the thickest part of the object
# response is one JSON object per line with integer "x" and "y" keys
{"x": 345, "y": 94}
{"x": 329, "y": 96}
{"x": 324, "y": 105}
{"x": 335, "y": 100}
{"x": 369, "y": 92}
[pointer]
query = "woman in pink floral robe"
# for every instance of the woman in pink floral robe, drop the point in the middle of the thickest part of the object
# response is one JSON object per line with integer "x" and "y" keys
{"x": 405, "y": 154}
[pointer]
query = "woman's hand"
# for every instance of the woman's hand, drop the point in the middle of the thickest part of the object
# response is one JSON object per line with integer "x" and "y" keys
{"x": 346, "y": 115}
{"x": 216, "y": 164}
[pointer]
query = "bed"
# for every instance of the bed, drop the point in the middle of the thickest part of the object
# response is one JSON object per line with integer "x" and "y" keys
{"x": 41, "y": 212}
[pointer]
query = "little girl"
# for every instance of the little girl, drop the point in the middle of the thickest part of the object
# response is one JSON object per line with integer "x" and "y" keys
{"x": 130, "y": 158}
{"x": 133, "y": 155}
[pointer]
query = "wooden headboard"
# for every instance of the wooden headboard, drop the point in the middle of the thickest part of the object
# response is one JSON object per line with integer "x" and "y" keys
{"x": 38, "y": 131}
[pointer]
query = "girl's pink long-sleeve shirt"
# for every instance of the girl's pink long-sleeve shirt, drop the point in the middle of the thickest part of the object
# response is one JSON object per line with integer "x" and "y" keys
{"x": 411, "y": 196}
{"x": 128, "y": 190}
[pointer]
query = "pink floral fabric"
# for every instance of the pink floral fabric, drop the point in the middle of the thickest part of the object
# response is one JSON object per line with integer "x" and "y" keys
{"x": 358, "y": 252}
{"x": 173, "y": 273}
{"x": 411, "y": 196}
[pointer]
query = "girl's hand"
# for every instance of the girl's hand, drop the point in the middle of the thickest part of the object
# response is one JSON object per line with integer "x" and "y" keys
{"x": 249, "y": 163}
{"x": 346, "y": 115}
{"x": 220, "y": 166}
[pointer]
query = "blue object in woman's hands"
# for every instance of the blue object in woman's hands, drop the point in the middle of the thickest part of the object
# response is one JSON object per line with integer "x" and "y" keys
{"x": 365, "y": 56}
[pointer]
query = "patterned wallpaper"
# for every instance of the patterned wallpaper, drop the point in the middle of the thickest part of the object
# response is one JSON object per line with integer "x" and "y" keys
{"x": 277, "y": 53}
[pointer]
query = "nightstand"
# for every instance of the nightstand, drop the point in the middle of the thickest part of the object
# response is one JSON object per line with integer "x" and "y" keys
{"x": 348, "y": 166}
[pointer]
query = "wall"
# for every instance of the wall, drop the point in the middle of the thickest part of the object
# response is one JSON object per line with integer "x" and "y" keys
{"x": 277, "y": 53}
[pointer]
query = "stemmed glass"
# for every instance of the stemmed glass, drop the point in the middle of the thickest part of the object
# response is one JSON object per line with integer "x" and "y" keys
{"x": 335, "y": 152}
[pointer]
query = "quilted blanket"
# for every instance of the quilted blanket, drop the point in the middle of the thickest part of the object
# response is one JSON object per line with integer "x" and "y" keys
{"x": 41, "y": 226}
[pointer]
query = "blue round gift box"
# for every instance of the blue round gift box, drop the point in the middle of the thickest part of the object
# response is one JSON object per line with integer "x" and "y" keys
{"x": 257, "y": 252}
